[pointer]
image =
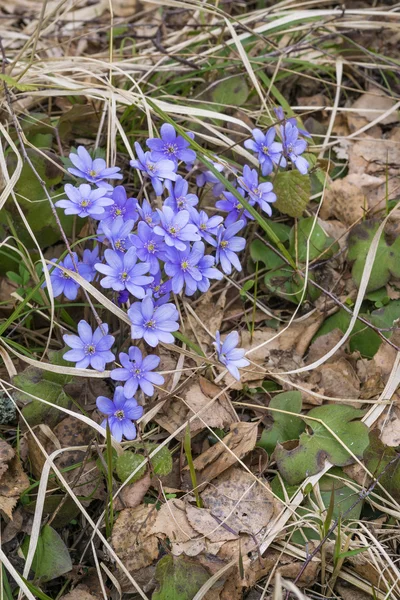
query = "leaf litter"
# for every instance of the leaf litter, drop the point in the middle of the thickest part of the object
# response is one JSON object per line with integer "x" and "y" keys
{"x": 281, "y": 422}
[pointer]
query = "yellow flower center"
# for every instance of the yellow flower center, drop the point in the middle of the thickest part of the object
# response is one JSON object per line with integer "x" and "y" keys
{"x": 119, "y": 414}
{"x": 92, "y": 173}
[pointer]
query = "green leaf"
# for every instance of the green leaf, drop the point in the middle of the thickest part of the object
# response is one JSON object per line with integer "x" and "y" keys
{"x": 387, "y": 258}
{"x": 233, "y": 91}
{"x": 387, "y": 317}
{"x": 51, "y": 558}
{"x": 259, "y": 252}
{"x": 377, "y": 458}
{"x": 308, "y": 458}
{"x": 162, "y": 461}
{"x": 179, "y": 578}
{"x": 293, "y": 192}
{"x": 127, "y": 463}
{"x": 288, "y": 284}
{"x": 22, "y": 87}
{"x": 318, "y": 241}
{"x": 31, "y": 381}
{"x": 362, "y": 339}
{"x": 285, "y": 427}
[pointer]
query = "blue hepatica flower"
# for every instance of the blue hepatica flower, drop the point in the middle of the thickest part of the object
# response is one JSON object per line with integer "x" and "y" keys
{"x": 150, "y": 247}
{"x": 84, "y": 201}
{"x": 61, "y": 282}
{"x": 175, "y": 228}
{"x": 234, "y": 208}
{"x": 230, "y": 356}
{"x": 159, "y": 288}
{"x": 153, "y": 324}
{"x": 118, "y": 233}
{"x": 227, "y": 246}
{"x": 207, "y": 270}
{"x": 269, "y": 152}
{"x": 121, "y": 206}
{"x": 181, "y": 266}
{"x": 90, "y": 348}
{"x": 206, "y": 176}
{"x": 259, "y": 192}
{"x": 171, "y": 146}
{"x": 147, "y": 214}
{"x": 89, "y": 259}
{"x": 93, "y": 170}
{"x": 293, "y": 147}
{"x": 136, "y": 371}
{"x": 207, "y": 226}
{"x": 120, "y": 413}
{"x": 122, "y": 273}
{"x": 178, "y": 198}
{"x": 156, "y": 170}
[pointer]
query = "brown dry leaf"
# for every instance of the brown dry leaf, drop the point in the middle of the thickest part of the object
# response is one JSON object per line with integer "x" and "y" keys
{"x": 214, "y": 461}
{"x": 13, "y": 482}
{"x": 73, "y": 432}
{"x": 209, "y": 310}
{"x": 389, "y": 424}
{"x": 81, "y": 592}
{"x": 374, "y": 99}
{"x": 323, "y": 344}
{"x": 175, "y": 412}
{"x": 6, "y": 454}
{"x": 205, "y": 524}
{"x": 132, "y": 537}
{"x": 7, "y": 505}
{"x": 172, "y": 522}
{"x": 350, "y": 592}
{"x": 132, "y": 495}
{"x": 47, "y": 440}
{"x": 293, "y": 340}
{"x": 124, "y": 8}
{"x": 344, "y": 201}
{"x": 340, "y": 380}
{"x": 240, "y": 501}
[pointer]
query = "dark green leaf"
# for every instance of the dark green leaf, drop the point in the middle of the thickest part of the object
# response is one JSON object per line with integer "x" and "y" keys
{"x": 285, "y": 427}
{"x": 293, "y": 192}
{"x": 308, "y": 458}
{"x": 51, "y": 558}
{"x": 179, "y": 578}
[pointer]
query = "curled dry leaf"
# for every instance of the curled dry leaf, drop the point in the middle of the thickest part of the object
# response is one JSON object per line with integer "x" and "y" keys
{"x": 132, "y": 495}
{"x": 217, "y": 459}
{"x": 193, "y": 399}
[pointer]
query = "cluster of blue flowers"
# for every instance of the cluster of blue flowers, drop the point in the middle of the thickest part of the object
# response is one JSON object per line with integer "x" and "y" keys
{"x": 144, "y": 254}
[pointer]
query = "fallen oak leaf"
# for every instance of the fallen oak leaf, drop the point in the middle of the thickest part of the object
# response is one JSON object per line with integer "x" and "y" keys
{"x": 217, "y": 459}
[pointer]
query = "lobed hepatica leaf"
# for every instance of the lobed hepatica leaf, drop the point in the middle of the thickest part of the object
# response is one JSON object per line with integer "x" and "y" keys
{"x": 387, "y": 259}
{"x": 293, "y": 192}
{"x": 314, "y": 447}
{"x": 285, "y": 426}
{"x": 178, "y": 578}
